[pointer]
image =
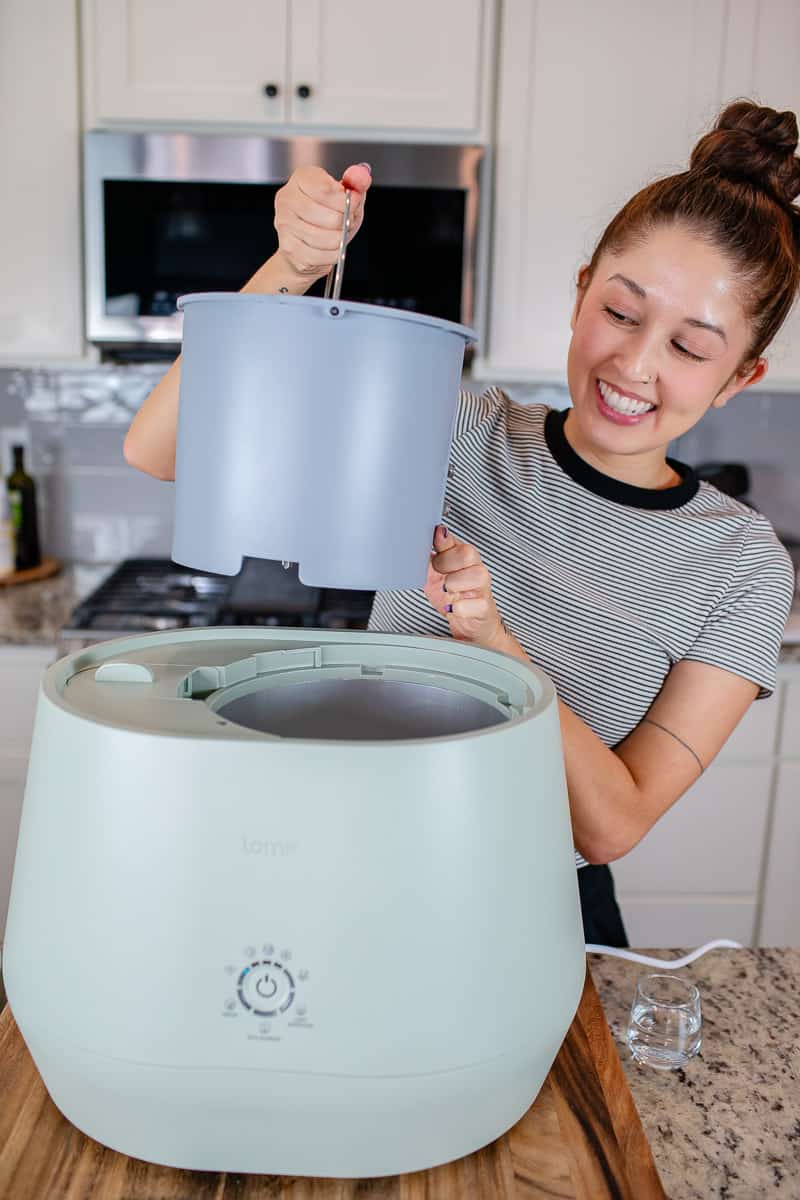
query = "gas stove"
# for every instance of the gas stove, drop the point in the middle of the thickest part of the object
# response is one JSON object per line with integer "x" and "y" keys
{"x": 144, "y": 594}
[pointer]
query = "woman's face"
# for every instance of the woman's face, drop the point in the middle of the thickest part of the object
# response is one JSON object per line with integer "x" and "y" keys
{"x": 646, "y": 315}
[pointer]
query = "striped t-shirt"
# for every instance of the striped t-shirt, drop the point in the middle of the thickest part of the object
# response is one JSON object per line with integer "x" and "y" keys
{"x": 605, "y": 585}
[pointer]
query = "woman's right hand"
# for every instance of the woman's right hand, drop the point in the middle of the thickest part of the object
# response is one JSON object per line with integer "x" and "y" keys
{"x": 309, "y": 210}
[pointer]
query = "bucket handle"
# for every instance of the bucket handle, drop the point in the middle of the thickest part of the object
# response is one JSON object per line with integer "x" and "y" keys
{"x": 337, "y": 285}
{"x": 338, "y": 269}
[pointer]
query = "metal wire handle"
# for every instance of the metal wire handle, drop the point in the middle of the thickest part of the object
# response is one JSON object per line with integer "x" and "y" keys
{"x": 338, "y": 269}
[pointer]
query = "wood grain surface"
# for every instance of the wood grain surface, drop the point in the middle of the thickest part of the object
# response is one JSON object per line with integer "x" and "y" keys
{"x": 46, "y": 568}
{"x": 581, "y": 1139}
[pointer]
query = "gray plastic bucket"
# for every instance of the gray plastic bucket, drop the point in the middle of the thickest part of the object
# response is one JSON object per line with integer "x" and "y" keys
{"x": 313, "y": 431}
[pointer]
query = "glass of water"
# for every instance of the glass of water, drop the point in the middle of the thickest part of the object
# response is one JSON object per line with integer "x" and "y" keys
{"x": 666, "y": 1022}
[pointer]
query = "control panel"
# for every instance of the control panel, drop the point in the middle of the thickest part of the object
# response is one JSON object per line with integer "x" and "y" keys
{"x": 267, "y": 992}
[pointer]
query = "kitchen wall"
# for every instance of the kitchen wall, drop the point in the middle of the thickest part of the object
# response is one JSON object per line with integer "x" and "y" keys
{"x": 95, "y": 508}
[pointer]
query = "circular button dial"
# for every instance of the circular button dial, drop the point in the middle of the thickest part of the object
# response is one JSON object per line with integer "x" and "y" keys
{"x": 266, "y": 988}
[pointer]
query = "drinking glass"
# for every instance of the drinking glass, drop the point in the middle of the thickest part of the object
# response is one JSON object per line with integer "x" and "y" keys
{"x": 665, "y": 1022}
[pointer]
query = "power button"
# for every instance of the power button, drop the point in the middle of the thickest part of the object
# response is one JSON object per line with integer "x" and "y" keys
{"x": 266, "y": 988}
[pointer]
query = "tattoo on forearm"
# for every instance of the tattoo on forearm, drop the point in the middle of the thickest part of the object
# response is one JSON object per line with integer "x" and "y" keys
{"x": 648, "y": 721}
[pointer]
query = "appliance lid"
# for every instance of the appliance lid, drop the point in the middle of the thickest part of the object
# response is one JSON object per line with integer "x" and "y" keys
{"x": 246, "y": 683}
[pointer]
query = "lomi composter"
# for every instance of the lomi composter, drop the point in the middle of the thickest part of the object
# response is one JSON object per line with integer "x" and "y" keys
{"x": 294, "y": 902}
{"x": 316, "y": 431}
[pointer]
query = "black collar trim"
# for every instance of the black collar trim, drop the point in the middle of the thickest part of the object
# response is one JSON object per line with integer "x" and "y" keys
{"x": 614, "y": 489}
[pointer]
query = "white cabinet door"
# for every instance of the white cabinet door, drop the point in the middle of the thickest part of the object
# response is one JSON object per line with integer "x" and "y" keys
{"x": 678, "y": 922}
{"x": 709, "y": 843}
{"x": 780, "y": 912}
{"x": 360, "y": 64}
{"x": 790, "y": 735}
{"x": 21, "y": 669}
{"x": 594, "y": 101}
{"x": 697, "y": 874}
{"x": 711, "y": 839}
{"x": 756, "y": 737}
{"x": 41, "y": 306}
{"x": 379, "y": 63}
{"x": 187, "y": 60}
{"x": 13, "y": 770}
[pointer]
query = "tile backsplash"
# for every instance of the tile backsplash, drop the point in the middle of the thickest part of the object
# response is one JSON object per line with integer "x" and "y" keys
{"x": 95, "y": 508}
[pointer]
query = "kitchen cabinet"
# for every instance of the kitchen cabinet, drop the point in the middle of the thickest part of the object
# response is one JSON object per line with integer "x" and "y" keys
{"x": 724, "y": 861}
{"x": 696, "y": 875}
{"x": 21, "y": 669}
{"x": 594, "y": 102}
{"x": 41, "y": 305}
{"x": 291, "y": 65}
{"x": 780, "y": 913}
{"x": 780, "y": 916}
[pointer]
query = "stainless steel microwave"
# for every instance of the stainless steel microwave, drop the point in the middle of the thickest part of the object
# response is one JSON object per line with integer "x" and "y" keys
{"x": 169, "y": 213}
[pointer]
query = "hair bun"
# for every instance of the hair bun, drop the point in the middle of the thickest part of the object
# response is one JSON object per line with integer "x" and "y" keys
{"x": 755, "y": 144}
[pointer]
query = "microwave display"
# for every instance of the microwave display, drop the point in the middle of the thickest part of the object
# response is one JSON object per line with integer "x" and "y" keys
{"x": 163, "y": 239}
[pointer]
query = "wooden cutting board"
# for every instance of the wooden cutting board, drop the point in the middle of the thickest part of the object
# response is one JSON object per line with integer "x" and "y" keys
{"x": 581, "y": 1138}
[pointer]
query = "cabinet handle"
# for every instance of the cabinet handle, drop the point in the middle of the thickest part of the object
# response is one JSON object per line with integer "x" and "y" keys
{"x": 271, "y": 89}
{"x": 303, "y": 91}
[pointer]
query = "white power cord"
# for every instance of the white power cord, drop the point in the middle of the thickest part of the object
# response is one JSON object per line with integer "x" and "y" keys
{"x": 662, "y": 962}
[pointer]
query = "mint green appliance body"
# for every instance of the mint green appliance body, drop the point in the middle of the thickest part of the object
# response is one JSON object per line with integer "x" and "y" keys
{"x": 294, "y": 902}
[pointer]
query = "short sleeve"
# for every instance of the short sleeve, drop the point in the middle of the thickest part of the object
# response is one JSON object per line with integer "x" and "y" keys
{"x": 743, "y": 633}
{"x": 474, "y": 409}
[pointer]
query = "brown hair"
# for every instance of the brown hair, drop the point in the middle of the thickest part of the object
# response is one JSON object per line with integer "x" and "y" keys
{"x": 737, "y": 194}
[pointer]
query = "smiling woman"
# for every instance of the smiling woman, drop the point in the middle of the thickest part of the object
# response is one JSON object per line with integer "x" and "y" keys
{"x": 655, "y": 602}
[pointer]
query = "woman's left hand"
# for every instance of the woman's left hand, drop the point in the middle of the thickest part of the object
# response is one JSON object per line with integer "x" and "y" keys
{"x": 458, "y": 578}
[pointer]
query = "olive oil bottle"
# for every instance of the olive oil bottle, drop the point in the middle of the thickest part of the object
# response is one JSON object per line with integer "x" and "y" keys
{"x": 22, "y": 499}
{"x": 7, "y": 543}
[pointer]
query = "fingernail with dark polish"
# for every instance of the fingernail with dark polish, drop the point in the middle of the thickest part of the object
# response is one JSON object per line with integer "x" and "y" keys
{"x": 444, "y": 586}
{"x": 448, "y": 608}
{"x": 444, "y": 531}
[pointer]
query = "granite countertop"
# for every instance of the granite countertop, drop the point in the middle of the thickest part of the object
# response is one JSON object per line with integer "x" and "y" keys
{"x": 728, "y": 1124}
{"x": 33, "y": 613}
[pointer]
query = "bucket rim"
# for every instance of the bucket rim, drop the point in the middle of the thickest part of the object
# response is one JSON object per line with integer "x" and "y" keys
{"x": 344, "y": 306}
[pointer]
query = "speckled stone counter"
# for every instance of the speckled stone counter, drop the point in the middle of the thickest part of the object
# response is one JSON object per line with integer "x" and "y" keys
{"x": 32, "y": 613}
{"x": 728, "y": 1125}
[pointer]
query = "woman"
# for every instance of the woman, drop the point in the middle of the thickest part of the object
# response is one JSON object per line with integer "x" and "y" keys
{"x": 655, "y": 602}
